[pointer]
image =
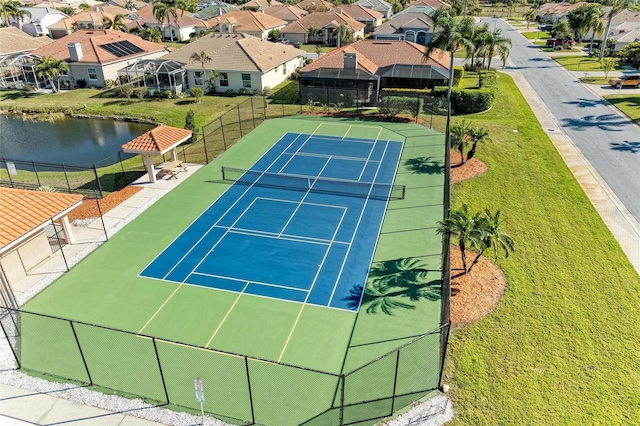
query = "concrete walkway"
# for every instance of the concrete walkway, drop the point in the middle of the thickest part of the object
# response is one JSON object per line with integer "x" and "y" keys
{"x": 33, "y": 407}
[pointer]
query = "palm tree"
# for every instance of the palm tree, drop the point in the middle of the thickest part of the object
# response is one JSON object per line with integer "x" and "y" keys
{"x": 9, "y": 8}
{"x": 616, "y": 7}
{"x": 167, "y": 9}
{"x": 477, "y": 135}
{"x": 529, "y": 15}
{"x": 151, "y": 34}
{"x": 451, "y": 36}
{"x": 313, "y": 33}
{"x": 67, "y": 10}
{"x": 466, "y": 228}
{"x": 203, "y": 58}
{"x": 492, "y": 236}
{"x": 496, "y": 43}
{"x": 460, "y": 138}
{"x": 477, "y": 40}
{"x": 596, "y": 23}
{"x": 117, "y": 23}
{"x": 51, "y": 69}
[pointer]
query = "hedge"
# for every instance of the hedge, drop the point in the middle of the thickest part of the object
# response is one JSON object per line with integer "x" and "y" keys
{"x": 394, "y": 105}
{"x": 465, "y": 101}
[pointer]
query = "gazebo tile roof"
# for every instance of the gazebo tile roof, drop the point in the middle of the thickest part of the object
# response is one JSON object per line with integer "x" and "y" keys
{"x": 157, "y": 140}
{"x": 24, "y": 210}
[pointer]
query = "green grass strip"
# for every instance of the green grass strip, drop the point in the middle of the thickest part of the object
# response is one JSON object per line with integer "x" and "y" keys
{"x": 561, "y": 347}
{"x": 583, "y": 63}
{"x": 628, "y": 104}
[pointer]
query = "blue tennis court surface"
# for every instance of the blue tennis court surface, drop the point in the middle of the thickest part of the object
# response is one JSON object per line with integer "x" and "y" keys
{"x": 301, "y": 225}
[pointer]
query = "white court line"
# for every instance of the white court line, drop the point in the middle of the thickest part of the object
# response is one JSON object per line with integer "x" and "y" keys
{"x": 227, "y": 315}
{"x": 364, "y": 207}
{"x": 373, "y": 147}
{"x": 288, "y": 237}
{"x": 347, "y": 132}
{"x": 311, "y": 154}
{"x": 315, "y": 279}
{"x": 242, "y": 280}
{"x": 293, "y": 154}
{"x": 278, "y": 237}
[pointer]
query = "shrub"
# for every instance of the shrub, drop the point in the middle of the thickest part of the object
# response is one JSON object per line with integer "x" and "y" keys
{"x": 141, "y": 92}
{"x": 108, "y": 83}
{"x": 458, "y": 73}
{"x": 487, "y": 78}
{"x": 126, "y": 92}
{"x": 197, "y": 93}
{"x": 308, "y": 61}
{"x": 297, "y": 45}
{"x": 242, "y": 91}
{"x": 81, "y": 83}
{"x": 394, "y": 105}
{"x": 29, "y": 88}
{"x": 468, "y": 101}
{"x": 167, "y": 94}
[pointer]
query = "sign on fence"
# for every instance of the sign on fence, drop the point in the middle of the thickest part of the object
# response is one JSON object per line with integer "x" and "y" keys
{"x": 199, "y": 390}
{"x": 11, "y": 166}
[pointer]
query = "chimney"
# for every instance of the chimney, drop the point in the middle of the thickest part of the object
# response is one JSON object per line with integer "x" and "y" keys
{"x": 350, "y": 61}
{"x": 75, "y": 51}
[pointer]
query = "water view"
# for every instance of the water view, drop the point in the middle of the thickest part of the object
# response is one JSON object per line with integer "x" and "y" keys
{"x": 72, "y": 141}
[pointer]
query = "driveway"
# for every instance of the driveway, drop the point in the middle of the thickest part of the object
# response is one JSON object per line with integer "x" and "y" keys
{"x": 603, "y": 135}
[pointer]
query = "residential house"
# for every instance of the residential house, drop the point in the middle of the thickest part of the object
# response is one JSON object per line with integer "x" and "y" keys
{"x": 128, "y": 4}
{"x": 315, "y": 5}
{"x": 96, "y": 55}
{"x": 410, "y": 26}
{"x": 436, "y": 4}
{"x": 15, "y": 48}
{"x": 288, "y": 14}
{"x": 625, "y": 28}
{"x": 89, "y": 19}
{"x": 39, "y": 22}
{"x": 257, "y": 24}
{"x": 370, "y": 18}
{"x": 260, "y": 5}
{"x": 379, "y": 6}
{"x": 239, "y": 62}
{"x": 31, "y": 220}
{"x": 361, "y": 70}
{"x": 179, "y": 30}
{"x": 328, "y": 24}
{"x": 555, "y": 12}
{"x": 213, "y": 9}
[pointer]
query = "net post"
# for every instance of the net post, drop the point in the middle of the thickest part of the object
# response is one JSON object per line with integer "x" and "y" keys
{"x": 404, "y": 190}
{"x": 164, "y": 383}
{"x": 84, "y": 361}
{"x": 246, "y": 366}
{"x": 222, "y": 171}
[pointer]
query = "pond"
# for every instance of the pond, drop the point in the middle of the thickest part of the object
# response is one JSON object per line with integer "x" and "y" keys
{"x": 72, "y": 141}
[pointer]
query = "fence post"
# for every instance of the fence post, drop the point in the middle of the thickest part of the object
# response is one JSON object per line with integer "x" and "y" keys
{"x": 36, "y": 173}
{"x": 395, "y": 382}
{"x": 106, "y": 236}
{"x": 246, "y": 365}
{"x": 204, "y": 143}
{"x": 10, "y": 345}
{"x": 124, "y": 175}
{"x": 265, "y": 103}
{"x": 66, "y": 178}
{"x": 253, "y": 113}
{"x": 239, "y": 120}
{"x": 55, "y": 231}
{"x": 84, "y": 361}
{"x": 343, "y": 378}
{"x": 224, "y": 140}
{"x": 95, "y": 172}
{"x": 164, "y": 384}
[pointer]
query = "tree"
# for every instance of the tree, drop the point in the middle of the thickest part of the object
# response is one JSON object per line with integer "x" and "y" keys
{"x": 465, "y": 228}
{"x": 11, "y": 8}
{"x": 492, "y": 237}
{"x": 452, "y": 35}
{"x": 615, "y": 8}
{"x": 478, "y": 40}
{"x": 460, "y": 139}
{"x": 117, "y": 23}
{"x": 126, "y": 91}
{"x": 67, "y": 10}
{"x": 51, "y": 69}
{"x": 151, "y": 34}
{"x": 84, "y": 6}
{"x": 496, "y": 43}
{"x": 201, "y": 57}
{"x": 190, "y": 123}
{"x": 529, "y": 15}
{"x": 631, "y": 54}
{"x": 274, "y": 34}
{"x": 477, "y": 135}
{"x": 313, "y": 34}
{"x": 561, "y": 30}
{"x": 596, "y": 24}
{"x": 345, "y": 35}
{"x": 197, "y": 93}
{"x": 167, "y": 9}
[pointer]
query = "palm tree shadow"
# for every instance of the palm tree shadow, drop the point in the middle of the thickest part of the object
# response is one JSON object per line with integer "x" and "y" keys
{"x": 392, "y": 284}
{"x": 626, "y": 146}
{"x": 423, "y": 166}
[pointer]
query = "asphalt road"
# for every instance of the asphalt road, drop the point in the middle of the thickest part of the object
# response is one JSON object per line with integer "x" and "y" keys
{"x": 606, "y": 138}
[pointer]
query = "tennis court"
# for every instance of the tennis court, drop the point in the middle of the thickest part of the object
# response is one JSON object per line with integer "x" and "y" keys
{"x": 311, "y": 242}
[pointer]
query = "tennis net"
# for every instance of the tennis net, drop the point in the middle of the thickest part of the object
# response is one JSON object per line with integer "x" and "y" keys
{"x": 380, "y": 191}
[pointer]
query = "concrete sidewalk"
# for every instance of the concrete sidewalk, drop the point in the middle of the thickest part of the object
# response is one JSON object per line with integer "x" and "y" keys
{"x": 34, "y": 407}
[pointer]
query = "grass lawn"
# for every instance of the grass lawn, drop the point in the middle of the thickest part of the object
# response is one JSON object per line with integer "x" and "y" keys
{"x": 628, "y": 104}
{"x": 561, "y": 347}
{"x": 599, "y": 81}
{"x": 532, "y": 35}
{"x": 583, "y": 63}
{"x": 311, "y": 48}
{"x": 167, "y": 111}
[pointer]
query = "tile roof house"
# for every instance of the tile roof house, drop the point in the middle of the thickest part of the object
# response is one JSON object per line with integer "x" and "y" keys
{"x": 259, "y": 5}
{"x": 218, "y": 9}
{"x": 436, "y": 4}
{"x": 41, "y": 18}
{"x": 15, "y": 48}
{"x": 411, "y": 26}
{"x": 327, "y": 22}
{"x": 315, "y": 5}
{"x": 367, "y": 66}
{"x": 370, "y": 18}
{"x": 243, "y": 62}
{"x": 89, "y": 19}
{"x": 554, "y": 12}
{"x": 288, "y": 14}
{"x": 625, "y": 28}
{"x": 257, "y": 24}
{"x": 378, "y": 5}
{"x": 97, "y": 55}
{"x": 170, "y": 29}
{"x": 26, "y": 228}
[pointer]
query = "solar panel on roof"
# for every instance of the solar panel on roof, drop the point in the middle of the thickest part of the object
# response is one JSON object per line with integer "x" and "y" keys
{"x": 121, "y": 48}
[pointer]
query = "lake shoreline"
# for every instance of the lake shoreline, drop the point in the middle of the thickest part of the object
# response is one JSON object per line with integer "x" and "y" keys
{"x": 64, "y": 113}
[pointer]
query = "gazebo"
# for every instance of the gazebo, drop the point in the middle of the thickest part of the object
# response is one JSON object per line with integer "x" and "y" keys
{"x": 160, "y": 140}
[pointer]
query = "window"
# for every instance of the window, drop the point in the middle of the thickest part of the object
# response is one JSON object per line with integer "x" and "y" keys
{"x": 93, "y": 75}
{"x": 197, "y": 78}
{"x": 246, "y": 81}
{"x": 284, "y": 69}
{"x": 224, "y": 79}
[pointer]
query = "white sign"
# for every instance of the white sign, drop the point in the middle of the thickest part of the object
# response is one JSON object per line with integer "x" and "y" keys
{"x": 11, "y": 166}
{"x": 199, "y": 390}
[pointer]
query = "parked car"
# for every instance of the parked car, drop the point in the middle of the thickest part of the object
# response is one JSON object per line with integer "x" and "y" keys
{"x": 545, "y": 27}
{"x": 631, "y": 80}
{"x": 560, "y": 42}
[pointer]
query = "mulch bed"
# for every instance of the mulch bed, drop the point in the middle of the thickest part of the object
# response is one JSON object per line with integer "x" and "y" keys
{"x": 475, "y": 294}
{"x": 89, "y": 209}
{"x": 471, "y": 168}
